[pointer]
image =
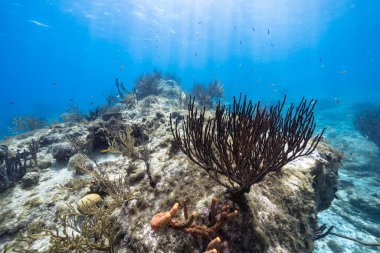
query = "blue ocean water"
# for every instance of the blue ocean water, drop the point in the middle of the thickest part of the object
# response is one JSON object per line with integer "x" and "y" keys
{"x": 54, "y": 54}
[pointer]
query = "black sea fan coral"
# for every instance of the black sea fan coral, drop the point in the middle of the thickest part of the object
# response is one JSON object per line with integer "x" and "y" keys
{"x": 241, "y": 144}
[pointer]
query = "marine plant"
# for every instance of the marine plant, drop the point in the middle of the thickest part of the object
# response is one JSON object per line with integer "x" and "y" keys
{"x": 77, "y": 233}
{"x": 72, "y": 114}
{"x": 123, "y": 95}
{"x": 205, "y": 95}
{"x": 96, "y": 113}
{"x": 244, "y": 142}
{"x": 147, "y": 84}
{"x": 145, "y": 156}
{"x": 321, "y": 232}
{"x": 91, "y": 230}
{"x": 27, "y": 123}
{"x": 121, "y": 141}
{"x": 117, "y": 189}
{"x": 368, "y": 123}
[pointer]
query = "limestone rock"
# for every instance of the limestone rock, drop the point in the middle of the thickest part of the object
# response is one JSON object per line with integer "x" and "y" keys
{"x": 325, "y": 175}
{"x": 62, "y": 151}
{"x": 30, "y": 179}
{"x": 44, "y": 164}
{"x": 279, "y": 214}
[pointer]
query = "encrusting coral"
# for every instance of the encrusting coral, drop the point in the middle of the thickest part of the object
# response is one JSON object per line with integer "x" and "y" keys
{"x": 216, "y": 220}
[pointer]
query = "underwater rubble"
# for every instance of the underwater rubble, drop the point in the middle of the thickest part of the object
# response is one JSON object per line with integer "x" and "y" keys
{"x": 96, "y": 186}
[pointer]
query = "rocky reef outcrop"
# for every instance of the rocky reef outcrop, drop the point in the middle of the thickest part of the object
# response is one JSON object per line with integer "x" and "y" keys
{"x": 279, "y": 214}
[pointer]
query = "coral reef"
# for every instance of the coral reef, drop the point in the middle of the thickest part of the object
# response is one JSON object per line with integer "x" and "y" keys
{"x": 147, "y": 85}
{"x": 72, "y": 115}
{"x": 246, "y": 142}
{"x": 206, "y": 94}
{"x": 278, "y": 214}
{"x": 27, "y": 123}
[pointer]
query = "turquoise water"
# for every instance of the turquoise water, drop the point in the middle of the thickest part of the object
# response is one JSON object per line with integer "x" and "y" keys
{"x": 57, "y": 54}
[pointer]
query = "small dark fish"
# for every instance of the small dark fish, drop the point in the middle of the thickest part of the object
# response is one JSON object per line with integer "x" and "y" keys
{"x": 241, "y": 42}
{"x": 253, "y": 29}
{"x": 11, "y": 103}
{"x": 268, "y": 31}
{"x": 71, "y": 99}
{"x": 336, "y": 196}
{"x": 91, "y": 103}
{"x": 320, "y": 59}
{"x": 54, "y": 84}
{"x": 200, "y": 22}
{"x": 235, "y": 27}
{"x": 195, "y": 54}
{"x": 271, "y": 44}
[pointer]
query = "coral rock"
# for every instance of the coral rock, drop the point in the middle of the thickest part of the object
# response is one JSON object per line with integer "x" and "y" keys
{"x": 62, "y": 152}
{"x": 30, "y": 179}
{"x": 87, "y": 202}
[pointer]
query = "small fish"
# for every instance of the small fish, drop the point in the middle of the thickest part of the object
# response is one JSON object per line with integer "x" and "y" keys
{"x": 241, "y": 42}
{"x": 343, "y": 72}
{"x": 122, "y": 67}
{"x": 271, "y": 44}
{"x": 253, "y": 29}
{"x": 200, "y": 22}
{"x": 337, "y": 100}
{"x": 91, "y": 103}
{"x": 71, "y": 99}
{"x": 11, "y": 103}
{"x": 320, "y": 59}
{"x": 268, "y": 31}
{"x": 105, "y": 151}
{"x": 371, "y": 154}
{"x": 195, "y": 54}
{"x": 54, "y": 84}
{"x": 118, "y": 96}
